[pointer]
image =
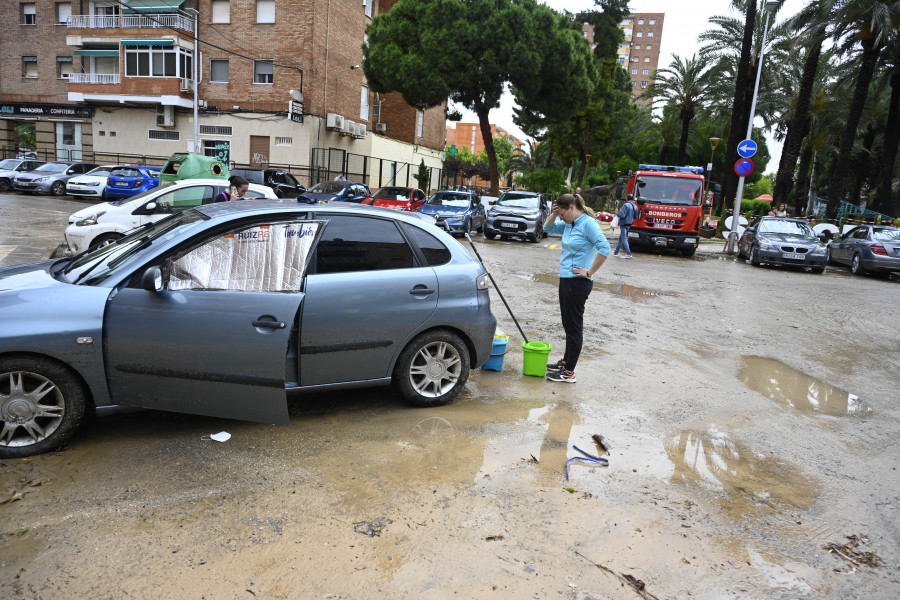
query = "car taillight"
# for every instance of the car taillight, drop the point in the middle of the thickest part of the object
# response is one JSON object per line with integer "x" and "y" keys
{"x": 138, "y": 183}
{"x": 481, "y": 282}
{"x": 878, "y": 249}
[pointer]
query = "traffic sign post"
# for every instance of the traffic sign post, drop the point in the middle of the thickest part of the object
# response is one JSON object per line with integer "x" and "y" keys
{"x": 744, "y": 167}
{"x": 746, "y": 149}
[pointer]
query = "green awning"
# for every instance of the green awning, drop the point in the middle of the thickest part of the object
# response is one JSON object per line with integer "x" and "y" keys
{"x": 29, "y": 58}
{"x": 96, "y": 53}
{"x": 147, "y": 42}
{"x": 63, "y": 59}
{"x": 153, "y": 6}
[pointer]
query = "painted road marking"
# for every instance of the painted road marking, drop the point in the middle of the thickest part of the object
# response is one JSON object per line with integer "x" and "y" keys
{"x": 6, "y": 251}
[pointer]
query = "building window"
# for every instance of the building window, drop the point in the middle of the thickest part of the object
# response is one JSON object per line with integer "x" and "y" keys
{"x": 263, "y": 71}
{"x": 648, "y": 47}
{"x": 649, "y": 34}
{"x": 29, "y": 67}
{"x": 634, "y": 59}
{"x": 368, "y": 7}
{"x": 420, "y": 124}
{"x": 621, "y": 60}
{"x": 643, "y": 84}
{"x": 221, "y": 11}
{"x": 584, "y": 34}
{"x": 216, "y": 130}
{"x": 634, "y": 71}
{"x": 640, "y": 21}
{"x": 646, "y": 59}
{"x": 364, "y": 103}
{"x": 627, "y": 32}
{"x": 28, "y": 14}
{"x": 161, "y": 134}
{"x": 63, "y": 66}
{"x": 63, "y": 12}
{"x": 653, "y": 21}
{"x": 218, "y": 70}
{"x": 284, "y": 141}
{"x": 157, "y": 61}
{"x": 633, "y": 83}
{"x": 639, "y": 34}
{"x": 265, "y": 11}
{"x": 626, "y": 22}
{"x": 637, "y": 46}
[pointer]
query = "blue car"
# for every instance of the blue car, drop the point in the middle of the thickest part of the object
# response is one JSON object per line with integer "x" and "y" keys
{"x": 220, "y": 309}
{"x": 456, "y": 212}
{"x": 128, "y": 180}
{"x": 336, "y": 191}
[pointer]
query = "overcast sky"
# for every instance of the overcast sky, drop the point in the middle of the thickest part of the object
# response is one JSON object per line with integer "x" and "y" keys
{"x": 680, "y": 30}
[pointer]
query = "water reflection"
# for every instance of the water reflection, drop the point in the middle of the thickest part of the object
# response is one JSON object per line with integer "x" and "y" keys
{"x": 619, "y": 289}
{"x": 777, "y": 381}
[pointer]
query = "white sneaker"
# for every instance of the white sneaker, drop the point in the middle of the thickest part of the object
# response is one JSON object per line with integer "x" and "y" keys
{"x": 627, "y": 256}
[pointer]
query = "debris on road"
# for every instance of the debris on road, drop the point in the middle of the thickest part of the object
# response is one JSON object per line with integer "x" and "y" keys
{"x": 850, "y": 553}
{"x": 601, "y": 442}
{"x": 372, "y": 528}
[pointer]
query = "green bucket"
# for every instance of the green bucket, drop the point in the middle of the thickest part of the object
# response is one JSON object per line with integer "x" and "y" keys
{"x": 536, "y": 356}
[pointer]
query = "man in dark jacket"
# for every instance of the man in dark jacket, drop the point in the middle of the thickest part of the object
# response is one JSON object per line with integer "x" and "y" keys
{"x": 626, "y": 216}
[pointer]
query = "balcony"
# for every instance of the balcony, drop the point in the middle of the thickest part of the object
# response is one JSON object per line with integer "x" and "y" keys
{"x": 95, "y": 78}
{"x": 142, "y": 21}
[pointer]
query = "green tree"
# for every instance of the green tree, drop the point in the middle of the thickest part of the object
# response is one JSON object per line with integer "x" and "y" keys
{"x": 423, "y": 176}
{"x": 469, "y": 50}
{"x": 504, "y": 149}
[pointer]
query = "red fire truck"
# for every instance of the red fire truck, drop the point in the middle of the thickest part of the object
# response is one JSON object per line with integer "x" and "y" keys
{"x": 670, "y": 206}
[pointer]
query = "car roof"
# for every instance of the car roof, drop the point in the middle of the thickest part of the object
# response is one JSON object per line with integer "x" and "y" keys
{"x": 291, "y": 205}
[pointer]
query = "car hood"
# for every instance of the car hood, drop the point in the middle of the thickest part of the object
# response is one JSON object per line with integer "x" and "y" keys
{"x": 787, "y": 238}
{"x": 8, "y": 173}
{"x": 512, "y": 210}
{"x": 444, "y": 211}
{"x": 92, "y": 210}
{"x": 29, "y": 276}
{"x": 30, "y": 176}
{"x": 388, "y": 203}
{"x": 88, "y": 179}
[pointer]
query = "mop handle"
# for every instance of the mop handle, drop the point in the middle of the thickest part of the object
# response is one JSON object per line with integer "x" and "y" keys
{"x": 491, "y": 277}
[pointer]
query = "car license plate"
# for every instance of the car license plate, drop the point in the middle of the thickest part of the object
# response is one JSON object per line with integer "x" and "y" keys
{"x": 509, "y": 225}
{"x": 791, "y": 256}
{"x": 122, "y": 183}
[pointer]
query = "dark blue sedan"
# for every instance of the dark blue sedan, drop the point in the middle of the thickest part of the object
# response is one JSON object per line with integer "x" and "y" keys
{"x": 336, "y": 191}
{"x": 456, "y": 212}
{"x": 128, "y": 180}
{"x": 218, "y": 310}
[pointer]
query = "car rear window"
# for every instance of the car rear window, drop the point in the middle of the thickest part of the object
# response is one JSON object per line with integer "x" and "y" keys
{"x": 436, "y": 253}
{"x": 352, "y": 243}
{"x": 125, "y": 172}
{"x": 886, "y": 235}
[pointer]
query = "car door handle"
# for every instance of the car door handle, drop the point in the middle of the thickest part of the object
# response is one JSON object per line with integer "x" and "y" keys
{"x": 421, "y": 290}
{"x": 269, "y": 324}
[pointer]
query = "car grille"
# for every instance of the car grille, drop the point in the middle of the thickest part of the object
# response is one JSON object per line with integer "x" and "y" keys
{"x": 794, "y": 250}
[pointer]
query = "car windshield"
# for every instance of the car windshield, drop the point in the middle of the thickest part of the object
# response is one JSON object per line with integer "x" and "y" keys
{"x": 53, "y": 167}
{"x": 392, "y": 193}
{"x": 99, "y": 171}
{"x": 94, "y": 266}
{"x": 669, "y": 190}
{"x": 786, "y": 226}
{"x": 886, "y": 235}
{"x": 519, "y": 200}
{"x": 126, "y": 172}
{"x": 450, "y": 199}
{"x": 9, "y": 164}
{"x": 150, "y": 192}
{"x": 328, "y": 187}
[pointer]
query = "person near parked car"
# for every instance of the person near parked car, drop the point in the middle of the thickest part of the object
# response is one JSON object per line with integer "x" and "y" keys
{"x": 341, "y": 177}
{"x": 584, "y": 250}
{"x": 626, "y": 218}
{"x": 782, "y": 211}
{"x": 236, "y": 190}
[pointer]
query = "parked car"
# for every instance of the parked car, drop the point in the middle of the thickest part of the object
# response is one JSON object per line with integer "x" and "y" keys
{"x": 518, "y": 214}
{"x": 282, "y": 183}
{"x": 90, "y": 185}
{"x": 11, "y": 167}
{"x": 455, "y": 212}
{"x": 220, "y": 309}
{"x": 336, "y": 191}
{"x": 398, "y": 198}
{"x": 105, "y": 223}
{"x": 50, "y": 178}
{"x": 129, "y": 180}
{"x": 782, "y": 241}
{"x": 868, "y": 249}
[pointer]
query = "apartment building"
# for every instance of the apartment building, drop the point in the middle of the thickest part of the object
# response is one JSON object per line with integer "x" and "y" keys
{"x": 639, "y": 51}
{"x": 468, "y": 136}
{"x": 277, "y": 82}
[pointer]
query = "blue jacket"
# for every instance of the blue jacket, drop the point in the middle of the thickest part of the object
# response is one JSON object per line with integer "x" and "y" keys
{"x": 581, "y": 241}
{"x": 628, "y": 213}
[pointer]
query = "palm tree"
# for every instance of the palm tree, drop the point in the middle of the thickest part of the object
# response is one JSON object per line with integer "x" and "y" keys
{"x": 681, "y": 85}
{"x": 886, "y": 168}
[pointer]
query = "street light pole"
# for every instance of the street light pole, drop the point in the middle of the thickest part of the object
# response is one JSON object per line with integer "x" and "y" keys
{"x": 771, "y": 5}
{"x": 194, "y": 60}
{"x": 713, "y": 142}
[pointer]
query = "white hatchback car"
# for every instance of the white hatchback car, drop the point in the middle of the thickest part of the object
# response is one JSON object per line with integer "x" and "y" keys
{"x": 105, "y": 223}
{"x": 91, "y": 184}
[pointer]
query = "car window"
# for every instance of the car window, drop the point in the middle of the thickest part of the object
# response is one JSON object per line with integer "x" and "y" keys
{"x": 262, "y": 258}
{"x": 53, "y": 167}
{"x": 352, "y": 243}
{"x": 9, "y": 164}
{"x": 786, "y": 226}
{"x": 186, "y": 197}
{"x": 126, "y": 172}
{"x": 886, "y": 235}
{"x": 436, "y": 253}
{"x": 519, "y": 200}
{"x": 290, "y": 179}
{"x": 328, "y": 187}
{"x": 100, "y": 171}
{"x": 154, "y": 174}
{"x": 860, "y": 233}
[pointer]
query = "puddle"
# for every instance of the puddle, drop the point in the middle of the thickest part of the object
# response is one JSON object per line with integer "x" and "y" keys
{"x": 777, "y": 381}
{"x": 619, "y": 289}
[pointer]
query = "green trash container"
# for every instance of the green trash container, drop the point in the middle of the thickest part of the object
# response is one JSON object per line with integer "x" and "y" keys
{"x": 536, "y": 356}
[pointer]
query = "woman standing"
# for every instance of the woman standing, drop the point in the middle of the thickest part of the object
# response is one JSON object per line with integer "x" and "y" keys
{"x": 584, "y": 250}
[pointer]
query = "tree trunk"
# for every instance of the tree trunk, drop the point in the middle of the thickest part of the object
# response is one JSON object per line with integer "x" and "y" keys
{"x": 802, "y": 188}
{"x": 891, "y": 143}
{"x": 838, "y": 183}
{"x": 814, "y": 182}
{"x": 687, "y": 114}
{"x": 798, "y": 128}
{"x": 863, "y": 164}
{"x": 663, "y": 152}
{"x": 730, "y": 183}
{"x": 482, "y": 111}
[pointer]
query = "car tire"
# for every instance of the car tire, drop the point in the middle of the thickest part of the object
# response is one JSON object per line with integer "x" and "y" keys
{"x": 5, "y": 185}
{"x": 818, "y": 270}
{"x": 856, "y": 265}
{"x": 468, "y": 227}
{"x": 432, "y": 369}
{"x": 754, "y": 257}
{"x": 43, "y": 405}
{"x": 58, "y": 188}
{"x": 104, "y": 240}
{"x": 740, "y": 249}
{"x": 490, "y": 234}
{"x": 537, "y": 236}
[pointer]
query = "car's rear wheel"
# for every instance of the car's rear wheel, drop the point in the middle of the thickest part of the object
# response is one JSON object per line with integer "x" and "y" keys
{"x": 58, "y": 188}
{"x": 754, "y": 257}
{"x": 856, "y": 265}
{"x": 432, "y": 369}
{"x": 41, "y": 405}
{"x": 5, "y": 185}
{"x": 105, "y": 240}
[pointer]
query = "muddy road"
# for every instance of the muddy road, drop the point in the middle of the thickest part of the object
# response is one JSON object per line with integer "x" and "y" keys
{"x": 752, "y": 415}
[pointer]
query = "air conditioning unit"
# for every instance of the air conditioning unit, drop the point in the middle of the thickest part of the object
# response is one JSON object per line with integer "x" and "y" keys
{"x": 187, "y": 85}
{"x": 202, "y": 103}
{"x": 360, "y": 130}
{"x": 380, "y": 127}
{"x": 334, "y": 121}
{"x": 165, "y": 116}
{"x": 349, "y": 127}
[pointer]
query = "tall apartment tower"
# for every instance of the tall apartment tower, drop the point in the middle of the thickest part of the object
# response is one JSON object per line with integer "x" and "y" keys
{"x": 639, "y": 51}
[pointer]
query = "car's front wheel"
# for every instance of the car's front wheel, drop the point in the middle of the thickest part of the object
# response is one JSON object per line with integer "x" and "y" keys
{"x": 432, "y": 369}
{"x": 537, "y": 235}
{"x": 105, "y": 240}
{"x": 41, "y": 405}
{"x": 856, "y": 265}
{"x": 754, "y": 257}
{"x": 58, "y": 188}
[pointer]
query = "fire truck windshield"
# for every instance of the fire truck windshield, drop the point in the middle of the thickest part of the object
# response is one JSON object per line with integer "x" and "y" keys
{"x": 669, "y": 190}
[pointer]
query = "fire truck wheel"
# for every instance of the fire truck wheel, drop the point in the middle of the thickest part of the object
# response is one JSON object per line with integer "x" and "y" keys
{"x": 688, "y": 252}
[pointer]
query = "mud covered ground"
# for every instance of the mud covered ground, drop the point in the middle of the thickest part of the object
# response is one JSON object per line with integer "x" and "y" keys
{"x": 752, "y": 413}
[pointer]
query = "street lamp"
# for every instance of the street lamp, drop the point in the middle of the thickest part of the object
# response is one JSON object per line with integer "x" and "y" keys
{"x": 713, "y": 142}
{"x": 194, "y": 60}
{"x": 350, "y": 68}
{"x": 771, "y": 6}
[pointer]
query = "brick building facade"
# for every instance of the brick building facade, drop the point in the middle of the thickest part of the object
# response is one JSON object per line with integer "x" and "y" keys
{"x": 100, "y": 78}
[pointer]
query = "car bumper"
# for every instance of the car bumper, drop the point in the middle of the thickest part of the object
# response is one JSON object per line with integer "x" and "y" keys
{"x": 114, "y": 192}
{"x": 33, "y": 187}
{"x": 663, "y": 239}
{"x": 775, "y": 256}
{"x": 510, "y": 225}
{"x": 77, "y": 238}
{"x": 884, "y": 264}
{"x": 84, "y": 191}
{"x": 452, "y": 226}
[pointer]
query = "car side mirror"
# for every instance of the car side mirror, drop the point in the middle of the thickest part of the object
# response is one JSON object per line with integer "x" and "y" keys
{"x": 150, "y": 207}
{"x": 152, "y": 280}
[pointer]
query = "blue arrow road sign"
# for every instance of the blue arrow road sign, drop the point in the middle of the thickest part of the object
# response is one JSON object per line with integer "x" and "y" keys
{"x": 743, "y": 167}
{"x": 747, "y": 148}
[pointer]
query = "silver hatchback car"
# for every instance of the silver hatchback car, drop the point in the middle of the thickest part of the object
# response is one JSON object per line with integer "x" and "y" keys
{"x": 220, "y": 309}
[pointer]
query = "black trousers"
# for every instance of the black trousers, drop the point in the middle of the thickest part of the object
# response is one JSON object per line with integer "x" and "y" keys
{"x": 573, "y": 294}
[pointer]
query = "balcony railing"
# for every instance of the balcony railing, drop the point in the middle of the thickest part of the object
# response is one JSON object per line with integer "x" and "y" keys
{"x": 159, "y": 21}
{"x": 96, "y": 78}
